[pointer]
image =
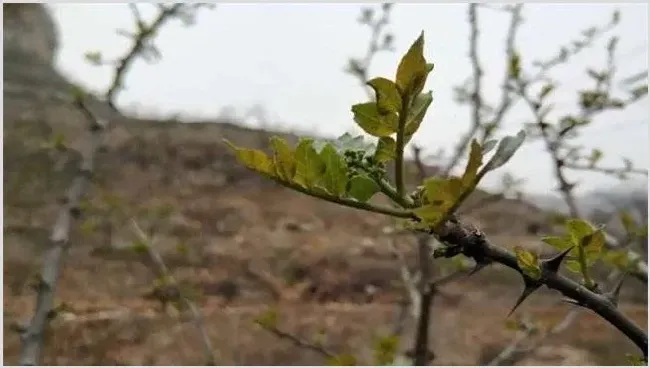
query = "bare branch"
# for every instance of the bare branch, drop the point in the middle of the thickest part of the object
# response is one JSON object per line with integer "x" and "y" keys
{"x": 301, "y": 343}
{"x": 515, "y": 347}
{"x": 144, "y": 35}
{"x": 606, "y": 170}
{"x": 360, "y": 68}
{"x": 162, "y": 272}
{"x": 486, "y": 129}
{"x": 55, "y": 254}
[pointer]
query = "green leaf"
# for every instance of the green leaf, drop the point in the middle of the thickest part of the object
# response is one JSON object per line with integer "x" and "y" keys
{"x": 416, "y": 114}
{"x": 514, "y": 66}
{"x": 430, "y": 214}
{"x": 440, "y": 191}
{"x": 78, "y": 93}
{"x": 413, "y": 69}
{"x": 489, "y": 146}
{"x": 309, "y": 165}
{"x": 283, "y": 159}
{"x": 558, "y": 242}
{"x": 342, "y": 359}
{"x": 545, "y": 91}
{"x": 628, "y": 222}
{"x": 94, "y": 57}
{"x": 362, "y": 188}
{"x": 335, "y": 178}
{"x": 474, "y": 163}
{"x": 388, "y": 97}
{"x": 268, "y": 319}
{"x": 594, "y": 244}
{"x": 88, "y": 226}
{"x": 348, "y": 142}
{"x": 507, "y": 147}
{"x": 385, "y": 150}
{"x": 527, "y": 261}
{"x": 578, "y": 229}
{"x": 58, "y": 142}
{"x": 439, "y": 196}
{"x": 253, "y": 159}
{"x": 385, "y": 350}
{"x": 140, "y": 247}
{"x": 617, "y": 258}
{"x": 368, "y": 117}
{"x": 161, "y": 211}
{"x": 596, "y": 155}
{"x": 636, "y": 360}
{"x": 512, "y": 325}
{"x": 573, "y": 266}
{"x": 182, "y": 248}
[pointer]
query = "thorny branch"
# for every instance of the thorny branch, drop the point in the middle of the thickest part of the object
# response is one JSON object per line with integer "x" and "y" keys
{"x": 471, "y": 242}
{"x": 59, "y": 243}
{"x": 508, "y": 356}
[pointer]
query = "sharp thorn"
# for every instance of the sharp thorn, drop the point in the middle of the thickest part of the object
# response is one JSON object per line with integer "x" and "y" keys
{"x": 479, "y": 266}
{"x": 553, "y": 264}
{"x": 573, "y": 302}
{"x": 613, "y": 296}
{"x": 530, "y": 287}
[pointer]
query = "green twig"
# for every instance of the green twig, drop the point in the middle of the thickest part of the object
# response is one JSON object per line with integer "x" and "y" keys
{"x": 347, "y": 202}
{"x": 399, "y": 149}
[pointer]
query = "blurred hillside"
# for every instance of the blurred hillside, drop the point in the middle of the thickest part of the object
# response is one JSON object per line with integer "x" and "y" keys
{"x": 247, "y": 243}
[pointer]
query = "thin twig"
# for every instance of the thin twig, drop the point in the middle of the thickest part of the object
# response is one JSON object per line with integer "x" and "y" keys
{"x": 478, "y": 126}
{"x": 606, "y": 170}
{"x": 300, "y": 342}
{"x": 362, "y": 67}
{"x": 145, "y": 33}
{"x": 162, "y": 272}
{"x": 515, "y": 347}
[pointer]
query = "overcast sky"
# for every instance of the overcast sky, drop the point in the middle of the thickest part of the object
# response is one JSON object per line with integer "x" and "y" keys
{"x": 289, "y": 58}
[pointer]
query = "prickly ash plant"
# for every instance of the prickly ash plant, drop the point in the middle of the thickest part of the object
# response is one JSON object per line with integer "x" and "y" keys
{"x": 350, "y": 171}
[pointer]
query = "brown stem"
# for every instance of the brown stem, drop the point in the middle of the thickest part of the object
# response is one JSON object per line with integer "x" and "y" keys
{"x": 473, "y": 243}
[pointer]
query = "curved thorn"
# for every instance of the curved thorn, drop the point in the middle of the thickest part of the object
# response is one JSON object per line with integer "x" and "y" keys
{"x": 479, "y": 266}
{"x": 572, "y": 302}
{"x": 530, "y": 286}
{"x": 613, "y": 296}
{"x": 553, "y": 264}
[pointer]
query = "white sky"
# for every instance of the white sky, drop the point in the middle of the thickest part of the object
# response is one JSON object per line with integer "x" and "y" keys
{"x": 289, "y": 58}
